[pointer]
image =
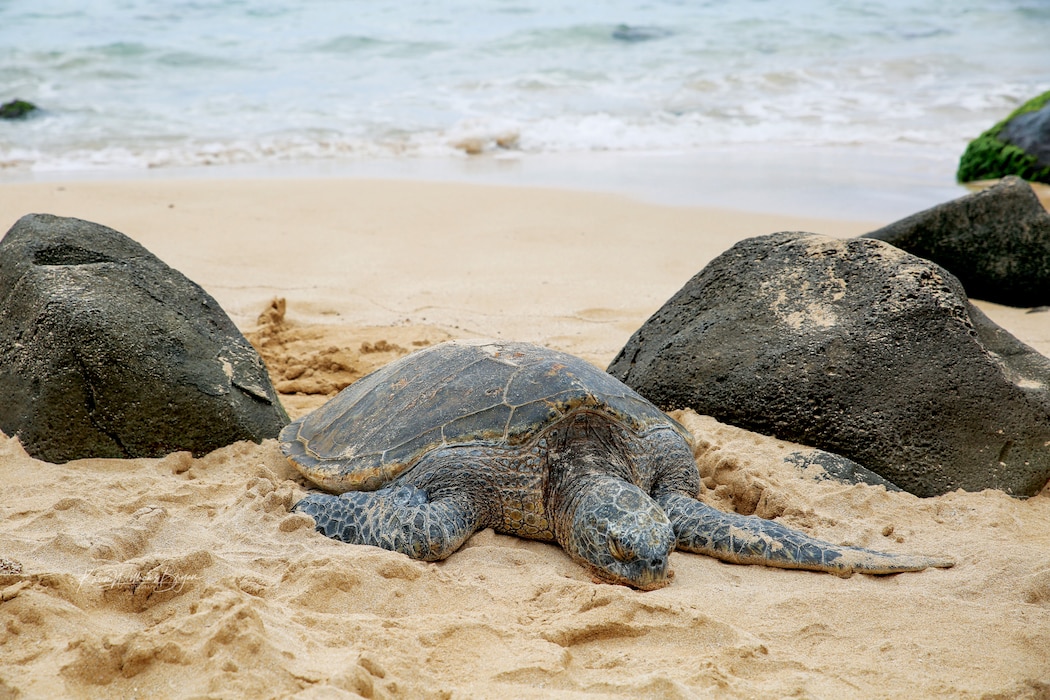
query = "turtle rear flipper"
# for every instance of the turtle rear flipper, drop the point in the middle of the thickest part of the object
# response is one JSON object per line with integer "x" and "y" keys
{"x": 743, "y": 539}
{"x": 398, "y": 518}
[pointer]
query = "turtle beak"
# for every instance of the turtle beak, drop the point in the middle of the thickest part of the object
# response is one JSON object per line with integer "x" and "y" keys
{"x": 644, "y": 578}
{"x": 655, "y": 574}
{"x": 654, "y": 581}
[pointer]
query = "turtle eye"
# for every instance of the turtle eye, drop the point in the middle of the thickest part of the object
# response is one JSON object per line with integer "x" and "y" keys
{"x": 619, "y": 550}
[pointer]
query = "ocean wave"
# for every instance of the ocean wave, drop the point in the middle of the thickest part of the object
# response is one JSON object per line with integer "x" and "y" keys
{"x": 123, "y": 84}
{"x": 667, "y": 132}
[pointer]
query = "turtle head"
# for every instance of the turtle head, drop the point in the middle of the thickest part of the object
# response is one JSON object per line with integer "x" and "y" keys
{"x": 614, "y": 529}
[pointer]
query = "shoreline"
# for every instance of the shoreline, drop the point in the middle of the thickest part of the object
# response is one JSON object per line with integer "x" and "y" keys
{"x": 845, "y": 182}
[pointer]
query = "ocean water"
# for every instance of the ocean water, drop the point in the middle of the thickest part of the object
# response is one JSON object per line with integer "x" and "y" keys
{"x": 139, "y": 84}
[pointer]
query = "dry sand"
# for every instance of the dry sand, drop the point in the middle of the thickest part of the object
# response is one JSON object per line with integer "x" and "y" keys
{"x": 185, "y": 577}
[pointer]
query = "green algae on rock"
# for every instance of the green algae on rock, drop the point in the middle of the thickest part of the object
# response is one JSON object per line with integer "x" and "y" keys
{"x": 992, "y": 155}
{"x": 16, "y": 109}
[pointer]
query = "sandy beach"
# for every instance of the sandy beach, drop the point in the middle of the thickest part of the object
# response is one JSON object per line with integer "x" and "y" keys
{"x": 189, "y": 578}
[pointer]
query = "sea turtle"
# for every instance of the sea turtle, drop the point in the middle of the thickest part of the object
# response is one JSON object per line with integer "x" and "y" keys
{"x": 537, "y": 443}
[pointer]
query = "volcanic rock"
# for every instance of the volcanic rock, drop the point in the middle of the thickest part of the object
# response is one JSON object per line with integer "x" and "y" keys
{"x": 857, "y": 348}
{"x": 105, "y": 351}
{"x": 997, "y": 242}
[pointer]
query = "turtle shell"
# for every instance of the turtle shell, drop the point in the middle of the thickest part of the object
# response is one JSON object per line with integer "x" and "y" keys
{"x": 458, "y": 392}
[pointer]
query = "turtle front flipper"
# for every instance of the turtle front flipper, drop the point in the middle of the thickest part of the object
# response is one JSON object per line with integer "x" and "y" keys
{"x": 397, "y": 518}
{"x": 742, "y": 539}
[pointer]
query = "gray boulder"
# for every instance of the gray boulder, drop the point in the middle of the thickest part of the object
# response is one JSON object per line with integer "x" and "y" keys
{"x": 997, "y": 242}
{"x": 833, "y": 467}
{"x": 105, "y": 351}
{"x": 857, "y": 348}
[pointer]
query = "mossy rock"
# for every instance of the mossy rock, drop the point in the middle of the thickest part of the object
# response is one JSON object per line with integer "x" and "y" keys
{"x": 16, "y": 109}
{"x": 989, "y": 157}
